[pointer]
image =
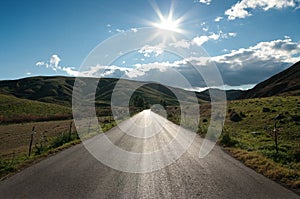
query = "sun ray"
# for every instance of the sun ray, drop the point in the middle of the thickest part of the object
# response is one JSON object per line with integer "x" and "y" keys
{"x": 167, "y": 22}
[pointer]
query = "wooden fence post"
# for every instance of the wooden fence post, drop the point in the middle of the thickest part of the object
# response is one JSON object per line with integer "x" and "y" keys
{"x": 276, "y": 138}
{"x": 31, "y": 140}
{"x": 70, "y": 129}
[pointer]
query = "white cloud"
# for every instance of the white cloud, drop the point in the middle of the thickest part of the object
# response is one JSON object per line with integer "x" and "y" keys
{"x": 142, "y": 69}
{"x": 41, "y": 63}
{"x": 281, "y": 50}
{"x": 218, "y": 19}
{"x": 134, "y": 29}
{"x": 258, "y": 62}
{"x": 120, "y": 30}
{"x": 205, "y": 29}
{"x": 232, "y": 34}
{"x": 181, "y": 44}
{"x": 244, "y": 66}
{"x": 71, "y": 71}
{"x": 53, "y": 63}
{"x": 108, "y": 25}
{"x": 214, "y": 36}
{"x": 241, "y": 8}
{"x": 148, "y": 50}
{"x": 207, "y": 2}
{"x": 199, "y": 41}
{"x": 29, "y": 73}
{"x": 98, "y": 71}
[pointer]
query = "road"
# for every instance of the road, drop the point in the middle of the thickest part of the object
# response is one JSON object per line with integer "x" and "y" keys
{"x": 75, "y": 173}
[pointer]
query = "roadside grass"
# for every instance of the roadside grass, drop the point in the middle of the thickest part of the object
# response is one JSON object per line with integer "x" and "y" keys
{"x": 267, "y": 167}
{"x": 14, "y": 159}
{"x": 248, "y": 135}
{"x": 16, "y": 162}
{"x": 252, "y": 140}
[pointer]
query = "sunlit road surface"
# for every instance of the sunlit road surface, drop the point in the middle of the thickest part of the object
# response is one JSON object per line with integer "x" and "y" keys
{"x": 75, "y": 173}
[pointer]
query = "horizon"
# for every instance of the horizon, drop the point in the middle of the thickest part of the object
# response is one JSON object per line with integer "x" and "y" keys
{"x": 199, "y": 89}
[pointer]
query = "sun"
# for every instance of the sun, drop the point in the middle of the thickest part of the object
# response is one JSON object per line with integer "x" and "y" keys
{"x": 167, "y": 22}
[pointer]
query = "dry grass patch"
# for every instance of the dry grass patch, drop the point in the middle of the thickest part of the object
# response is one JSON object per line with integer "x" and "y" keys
{"x": 267, "y": 167}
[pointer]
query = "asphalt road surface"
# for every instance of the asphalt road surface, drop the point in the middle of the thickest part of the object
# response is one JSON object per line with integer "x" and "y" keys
{"x": 75, "y": 173}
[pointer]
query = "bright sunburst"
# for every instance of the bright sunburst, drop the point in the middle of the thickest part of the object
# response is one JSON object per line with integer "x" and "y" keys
{"x": 167, "y": 23}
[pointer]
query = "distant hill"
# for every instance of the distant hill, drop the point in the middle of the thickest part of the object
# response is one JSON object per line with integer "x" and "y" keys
{"x": 59, "y": 90}
{"x": 286, "y": 82}
{"x": 230, "y": 94}
{"x": 56, "y": 90}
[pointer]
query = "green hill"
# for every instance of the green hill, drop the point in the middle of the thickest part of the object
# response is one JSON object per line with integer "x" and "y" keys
{"x": 13, "y": 109}
{"x": 59, "y": 90}
{"x": 46, "y": 89}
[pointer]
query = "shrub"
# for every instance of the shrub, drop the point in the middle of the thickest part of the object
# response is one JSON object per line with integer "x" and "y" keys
{"x": 227, "y": 141}
{"x": 62, "y": 139}
{"x": 265, "y": 110}
{"x": 235, "y": 117}
{"x": 7, "y": 165}
{"x": 295, "y": 154}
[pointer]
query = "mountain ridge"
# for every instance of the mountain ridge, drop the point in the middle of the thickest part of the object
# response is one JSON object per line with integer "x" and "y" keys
{"x": 286, "y": 82}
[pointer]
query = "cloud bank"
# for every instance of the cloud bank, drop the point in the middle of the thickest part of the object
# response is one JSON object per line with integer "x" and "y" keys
{"x": 242, "y": 8}
{"x": 242, "y": 66}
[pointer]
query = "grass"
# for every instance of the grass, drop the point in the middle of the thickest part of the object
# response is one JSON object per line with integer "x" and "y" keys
{"x": 250, "y": 137}
{"x": 16, "y": 110}
{"x": 267, "y": 167}
{"x": 50, "y": 137}
{"x": 254, "y": 140}
{"x": 15, "y": 162}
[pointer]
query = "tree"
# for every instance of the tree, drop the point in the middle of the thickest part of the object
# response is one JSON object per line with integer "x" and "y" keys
{"x": 163, "y": 103}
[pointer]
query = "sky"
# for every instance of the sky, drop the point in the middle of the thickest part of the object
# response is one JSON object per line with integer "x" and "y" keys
{"x": 247, "y": 40}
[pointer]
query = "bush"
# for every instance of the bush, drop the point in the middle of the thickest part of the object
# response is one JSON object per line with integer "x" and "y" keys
{"x": 62, "y": 139}
{"x": 266, "y": 110}
{"x": 39, "y": 149}
{"x": 235, "y": 117}
{"x": 295, "y": 154}
{"x": 7, "y": 166}
{"x": 227, "y": 141}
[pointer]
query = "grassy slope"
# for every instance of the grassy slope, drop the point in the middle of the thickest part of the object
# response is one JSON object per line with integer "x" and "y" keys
{"x": 252, "y": 139}
{"x": 13, "y": 109}
{"x": 286, "y": 109}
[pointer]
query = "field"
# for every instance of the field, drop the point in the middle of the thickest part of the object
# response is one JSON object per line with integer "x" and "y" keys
{"x": 15, "y": 138}
{"x": 53, "y": 130}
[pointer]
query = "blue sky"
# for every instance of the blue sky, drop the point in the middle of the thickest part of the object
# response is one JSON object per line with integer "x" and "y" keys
{"x": 247, "y": 40}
